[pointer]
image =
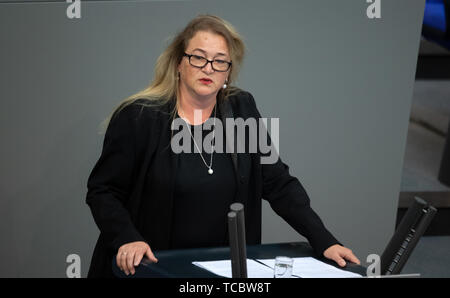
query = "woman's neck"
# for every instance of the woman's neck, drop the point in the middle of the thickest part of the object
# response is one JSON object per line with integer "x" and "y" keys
{"x": 195, "y": 111}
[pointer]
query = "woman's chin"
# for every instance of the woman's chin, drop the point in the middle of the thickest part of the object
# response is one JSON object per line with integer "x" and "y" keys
{"x": 205, "y": 92}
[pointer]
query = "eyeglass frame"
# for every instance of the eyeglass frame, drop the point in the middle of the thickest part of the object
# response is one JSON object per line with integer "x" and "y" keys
{"x": 207, "y": 61}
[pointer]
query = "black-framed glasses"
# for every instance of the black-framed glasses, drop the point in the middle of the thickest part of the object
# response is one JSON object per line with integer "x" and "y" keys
{"x": 216, "y": 64}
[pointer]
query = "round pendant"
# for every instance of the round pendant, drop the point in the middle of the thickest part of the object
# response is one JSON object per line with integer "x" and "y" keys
{"x": 210, "y": 171}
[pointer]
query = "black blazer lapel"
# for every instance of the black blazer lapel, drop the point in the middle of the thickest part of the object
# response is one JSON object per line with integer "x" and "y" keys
{"x": 241, "y": 162}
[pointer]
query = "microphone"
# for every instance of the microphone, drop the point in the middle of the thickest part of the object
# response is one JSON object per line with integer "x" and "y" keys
{"x": 236, "y": 224}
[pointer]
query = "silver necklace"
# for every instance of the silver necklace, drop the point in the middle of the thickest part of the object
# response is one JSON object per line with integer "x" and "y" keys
{"x": 210, "y": 170}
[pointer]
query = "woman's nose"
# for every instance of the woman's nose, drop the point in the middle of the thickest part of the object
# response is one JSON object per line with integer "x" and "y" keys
{"x": 208, "y": 67}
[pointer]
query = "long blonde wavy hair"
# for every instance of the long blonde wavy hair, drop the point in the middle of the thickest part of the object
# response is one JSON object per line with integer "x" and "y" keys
{"x": 164, "y": 86}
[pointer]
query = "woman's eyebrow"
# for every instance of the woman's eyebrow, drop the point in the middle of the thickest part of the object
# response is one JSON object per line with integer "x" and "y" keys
{"x": 204, "y": 52}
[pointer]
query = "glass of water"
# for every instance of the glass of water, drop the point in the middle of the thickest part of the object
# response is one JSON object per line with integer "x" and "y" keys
{"x": 283, "y": 267}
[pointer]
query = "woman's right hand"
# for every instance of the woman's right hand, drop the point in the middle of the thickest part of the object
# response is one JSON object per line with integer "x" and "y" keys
{"x": 130, "y": 255}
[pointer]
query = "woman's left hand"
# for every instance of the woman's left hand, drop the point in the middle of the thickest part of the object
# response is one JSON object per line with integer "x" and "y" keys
{"x": 339, "y": 254}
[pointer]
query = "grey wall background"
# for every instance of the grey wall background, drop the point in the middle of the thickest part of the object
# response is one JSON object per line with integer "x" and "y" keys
{"x": 340, "y": 83}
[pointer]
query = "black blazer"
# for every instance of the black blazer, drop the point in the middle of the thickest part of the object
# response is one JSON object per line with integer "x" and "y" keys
{"x": 130, "y": 189}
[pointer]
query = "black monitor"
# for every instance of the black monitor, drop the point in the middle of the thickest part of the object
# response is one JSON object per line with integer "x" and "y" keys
{"x": 411, "y": 228}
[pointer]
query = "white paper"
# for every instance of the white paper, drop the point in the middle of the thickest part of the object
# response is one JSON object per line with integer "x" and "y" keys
{"x": 312, "y": 268}
{"x": 223, "y": 268}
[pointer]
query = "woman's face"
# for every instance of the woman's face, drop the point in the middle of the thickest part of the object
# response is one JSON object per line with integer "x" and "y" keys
{"x": 204, "y": 82}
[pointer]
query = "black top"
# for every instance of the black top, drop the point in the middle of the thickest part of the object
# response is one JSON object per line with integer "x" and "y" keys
{"x": 202, "y": 200}
{"x": 131, "y": 187}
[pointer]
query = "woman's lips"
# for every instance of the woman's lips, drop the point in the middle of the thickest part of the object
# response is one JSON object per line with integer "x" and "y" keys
{"x": 206, "y": 81}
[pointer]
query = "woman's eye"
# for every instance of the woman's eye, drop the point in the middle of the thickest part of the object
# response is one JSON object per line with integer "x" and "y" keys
{"x": 198, "y": 57}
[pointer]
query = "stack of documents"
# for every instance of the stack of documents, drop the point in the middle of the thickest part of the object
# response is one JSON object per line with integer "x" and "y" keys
{"x": 223, "y": 268}
{"x": 263, "y": 268}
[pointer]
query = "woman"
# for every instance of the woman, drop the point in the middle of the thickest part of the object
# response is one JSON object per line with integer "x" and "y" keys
{"x": 145, "y": 197}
